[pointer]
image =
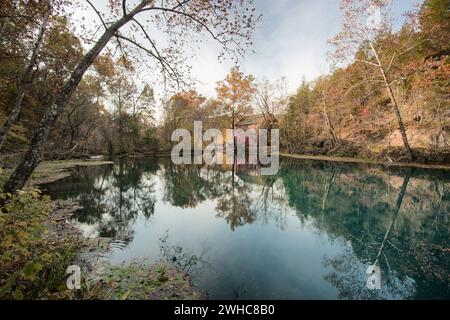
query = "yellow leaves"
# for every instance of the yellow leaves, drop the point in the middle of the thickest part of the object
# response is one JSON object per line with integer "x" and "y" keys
{"x": 22, "y": 235}
{"x": 105, "y": 66}
{"x": 25, "y": 254}
{"x": 7, "y": 241}
{"x": 37, "y": 267}
{"x": 236, "y": 91}
{"x": 6, "y": 257}
{"x": 36, "y": 193}
{"x": 46, "y": 257}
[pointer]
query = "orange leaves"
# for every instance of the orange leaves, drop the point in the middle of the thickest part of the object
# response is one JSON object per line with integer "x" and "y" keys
{"x": 236, "y": 91}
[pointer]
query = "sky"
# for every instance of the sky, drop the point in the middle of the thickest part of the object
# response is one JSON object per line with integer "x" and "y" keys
{"x": 290, "y": 41}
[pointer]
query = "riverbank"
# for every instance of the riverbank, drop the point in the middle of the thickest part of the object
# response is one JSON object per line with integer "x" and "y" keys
{"x": 366, "y": 161}
{"x": 51, "y": 171}
{"x": 40, "y": 274}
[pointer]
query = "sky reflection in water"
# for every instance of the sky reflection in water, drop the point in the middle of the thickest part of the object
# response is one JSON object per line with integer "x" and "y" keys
{"x": 310, "y": 232}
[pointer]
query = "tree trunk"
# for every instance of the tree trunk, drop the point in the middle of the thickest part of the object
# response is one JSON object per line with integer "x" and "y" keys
{"x": 233, "y": 116}
{"x": 328, "y": 124}
{"x": 33, "y": 156}
{"x": 25, "y": 80}
{"x": 409, "y": 153}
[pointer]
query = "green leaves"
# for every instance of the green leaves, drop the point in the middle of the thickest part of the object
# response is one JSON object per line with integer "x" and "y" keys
{"x": 31, "y": 266}
{"x": 18, "y": 294}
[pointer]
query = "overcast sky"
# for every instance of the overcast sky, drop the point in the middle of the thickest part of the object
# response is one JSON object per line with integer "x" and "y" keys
{"x": 290, "y": 41}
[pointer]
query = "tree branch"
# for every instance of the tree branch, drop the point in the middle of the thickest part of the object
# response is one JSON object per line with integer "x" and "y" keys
{"x": 124, "y": 7}
{"x": 165, "y": 66}
{"x": 98, "y": 13}
{"x": 368, "y": 62}
{"x": 172, "y": 10}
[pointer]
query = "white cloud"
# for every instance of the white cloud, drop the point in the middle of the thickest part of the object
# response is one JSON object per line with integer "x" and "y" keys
{"x": 291, "y": 41}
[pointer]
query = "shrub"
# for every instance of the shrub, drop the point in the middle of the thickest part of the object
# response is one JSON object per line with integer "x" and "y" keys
{"x": 32, "y": 265}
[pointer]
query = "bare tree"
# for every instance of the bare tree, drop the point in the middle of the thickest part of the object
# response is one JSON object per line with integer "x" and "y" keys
{"x": 328, "y": 124}
{"x": 230, "y": 22}
{"x": 365, "y": 24}
{"x": 271, "y": 98}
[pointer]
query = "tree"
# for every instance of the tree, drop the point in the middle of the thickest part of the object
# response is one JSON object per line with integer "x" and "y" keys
{"x": 181, "y": 111}
{"x": 323, "y": 94}
{"x": 434, "y": 19}
{"x": 27, "y": 76}
{"x": 132, "y": 104}
{"x": 236, "y": 92}
{"x": 229, "y": 22}
{"x": 365, "y": 23}
{"x": 270, "y": 98}
{"x": 294, "y": 125}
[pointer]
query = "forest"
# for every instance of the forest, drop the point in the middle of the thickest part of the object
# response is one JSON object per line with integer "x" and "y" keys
{"x": 348, "y": 112}
{"x": 69, "y": 91}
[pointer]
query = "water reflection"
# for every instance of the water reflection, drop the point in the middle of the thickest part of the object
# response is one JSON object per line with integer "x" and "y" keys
{"x": 311, "y": 231}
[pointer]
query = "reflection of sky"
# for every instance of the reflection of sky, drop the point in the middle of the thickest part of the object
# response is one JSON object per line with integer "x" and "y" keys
{"x": 265, "y": 259}
{"x": 259, "y": 257}
{"x": 299, "y": 244}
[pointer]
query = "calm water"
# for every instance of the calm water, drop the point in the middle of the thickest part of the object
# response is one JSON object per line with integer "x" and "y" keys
{"x": 309, "y": 232}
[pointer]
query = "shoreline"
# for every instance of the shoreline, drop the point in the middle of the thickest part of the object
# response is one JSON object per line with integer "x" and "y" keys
{"x": 150, "y": 281}
{"x": 437, "y": 166}
{"x": 366, "y": 161}
{"x": 51, "y": 171}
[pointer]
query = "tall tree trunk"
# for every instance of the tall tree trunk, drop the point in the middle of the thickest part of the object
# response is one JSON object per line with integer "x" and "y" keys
{"x": 34, "y": 154}
{"x": 25, "y": 79}
{"x": 409, "y": 153}
{"x": 328, "y": 124}
{"x": 233, "y": 116}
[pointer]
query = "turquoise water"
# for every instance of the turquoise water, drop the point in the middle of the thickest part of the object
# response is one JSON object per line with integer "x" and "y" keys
{"x": 310, "y": 232}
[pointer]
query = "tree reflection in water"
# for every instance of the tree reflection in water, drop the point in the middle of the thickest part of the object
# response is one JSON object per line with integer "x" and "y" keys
{"x": 179, "y": 256}
{"x": 112, "y": 197}
{"x": 396, "y": 218}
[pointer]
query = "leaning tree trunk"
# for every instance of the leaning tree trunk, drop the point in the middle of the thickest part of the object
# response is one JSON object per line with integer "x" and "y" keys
{"x": 25, "y": 80}
{"x": 328, "y": 123}
{"x": 34, "y": 154}
{"x": 409, "y": 153}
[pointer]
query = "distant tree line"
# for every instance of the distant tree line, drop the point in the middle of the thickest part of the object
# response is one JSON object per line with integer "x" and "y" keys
{"x": 387, "y": 95}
